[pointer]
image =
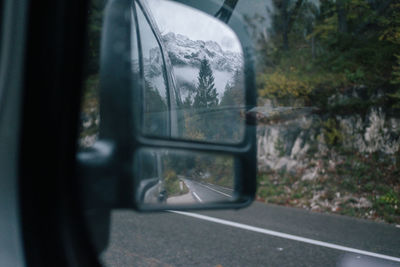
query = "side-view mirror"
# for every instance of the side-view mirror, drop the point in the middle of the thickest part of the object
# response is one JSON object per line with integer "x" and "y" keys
{"x": 174, "y": 94}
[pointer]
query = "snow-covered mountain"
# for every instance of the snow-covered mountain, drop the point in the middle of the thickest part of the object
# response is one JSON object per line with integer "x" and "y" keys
{"x": 185, "y": 52}
{"x": 185, "y": 56}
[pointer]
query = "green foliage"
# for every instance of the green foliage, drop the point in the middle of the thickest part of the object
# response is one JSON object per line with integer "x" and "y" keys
{"x": 396, "y": 71}
{"x": 222, "y": 172}
{"x": 207, "y": 119}
{"x": 331, "y": 132}
{"x": 390, "y": 198}
{"x": 281, "y": 84}
{"x": 341, "y": 45}
{"x": 396, "y": 81}
{"x": 155, "y": 111}
{"x": 199, "y": 121}
{"x": 374, "y": 177}
{"x": 90, "y": 98}
{"x": 90, "y": 107}
{"x": 388, "y": 206}
{"x": 187, "y": 102}
{"x": 356, "y": 76}
{"x": 391, "y": 25}
{"x": 280, "y": 147}
{"x": 91, "y": 94}
{"x": 96, "y": 8}
{"x": 234, "y": 92}
{"x": 172, "y": 185}
{"x": 206, "y": 93}
{"x": 230, "y": 119}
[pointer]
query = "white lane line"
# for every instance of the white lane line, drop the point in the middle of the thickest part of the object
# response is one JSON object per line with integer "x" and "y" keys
{"x": 197, "y": 197}
{"x": 221, "y": 187}
{"x": 287, "y": 236}
{"x": 216, "y": 191}
{"x": 213, "y": 189}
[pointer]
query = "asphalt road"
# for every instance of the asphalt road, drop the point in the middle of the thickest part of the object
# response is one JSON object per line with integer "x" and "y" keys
{"x": 171, "y": 239}
{"x": 206, "y": 192}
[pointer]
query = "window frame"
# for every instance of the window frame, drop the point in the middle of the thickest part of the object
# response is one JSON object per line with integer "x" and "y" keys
{"x": 139, "y": 28}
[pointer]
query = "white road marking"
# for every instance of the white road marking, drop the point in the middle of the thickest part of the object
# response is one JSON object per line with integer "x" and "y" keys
{"x": 186, "y": 183}
{"x": 287, "y": 236}
{"x": 221, "y": 187}
{"x": 213, "y": 189}
{"x": 216, "y": 190}
{"x": 197, "y": 197}
{"x": 181, "y": 185}
{"x": 210, "y": 189}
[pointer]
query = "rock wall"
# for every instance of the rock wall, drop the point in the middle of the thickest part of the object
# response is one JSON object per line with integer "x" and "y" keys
{"x": 294, "y": 144}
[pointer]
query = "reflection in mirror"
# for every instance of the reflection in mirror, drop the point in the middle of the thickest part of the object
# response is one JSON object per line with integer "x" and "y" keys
{"x": 172, "y": 177}
{"x": 155, "y": 91}
{"x": 204, "y": 63}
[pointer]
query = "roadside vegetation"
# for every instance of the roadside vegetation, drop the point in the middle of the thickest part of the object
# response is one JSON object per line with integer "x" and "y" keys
{"x": 173, "y": 185}
{"x": 359, "y": 185}
{"x": 343, "y": 59}
{"x": 90, "y": 114}
{"x": 209, "y": 168}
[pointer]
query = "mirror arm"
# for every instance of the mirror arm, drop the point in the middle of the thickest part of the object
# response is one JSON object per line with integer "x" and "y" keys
{"x": 225, "y": 12}
{"x": 98, "y": 191}
{"x": 98, "y": 183}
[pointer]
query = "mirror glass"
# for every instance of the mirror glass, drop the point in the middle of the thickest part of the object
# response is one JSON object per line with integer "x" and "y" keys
{"x": 174, "y": 177}
{"x": 193, "y": 74}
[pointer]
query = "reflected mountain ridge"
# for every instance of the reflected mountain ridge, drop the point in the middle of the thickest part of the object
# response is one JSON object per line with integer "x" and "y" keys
{"x": 185, "y": 52}
{"x": 185, "y": 56}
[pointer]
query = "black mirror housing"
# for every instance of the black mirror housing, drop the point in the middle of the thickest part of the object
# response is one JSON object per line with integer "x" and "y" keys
{"x": 122, "y": 142}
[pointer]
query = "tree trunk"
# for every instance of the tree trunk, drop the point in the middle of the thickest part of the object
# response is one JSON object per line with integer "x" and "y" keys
{"x": 313, "y": 47}
{"x": 285, "y": 24}
{"x": 342, "y": 16}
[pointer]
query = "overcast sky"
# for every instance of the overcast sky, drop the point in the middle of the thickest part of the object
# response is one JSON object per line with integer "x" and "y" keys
{"x": 196, "y": 25}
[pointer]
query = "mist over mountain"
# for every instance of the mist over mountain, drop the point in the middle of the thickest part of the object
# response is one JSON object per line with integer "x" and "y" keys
{"x": 185, "y": 52}
{"x": 185, "y": 56}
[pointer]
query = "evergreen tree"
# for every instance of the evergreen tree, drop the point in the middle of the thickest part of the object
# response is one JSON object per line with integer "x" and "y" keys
{"x": 231, "y": 121}
{"x": 187, "y": 103}
{"x": 234, "y": 92}
{"x": 206, "y": 95}
{"x": 155, "y": 111}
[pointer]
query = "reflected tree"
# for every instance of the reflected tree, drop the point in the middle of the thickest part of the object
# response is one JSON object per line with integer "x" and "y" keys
{"x": 206, "y": 94}
{"x": 154, "y": 111}
{"x": 232, "y": 111}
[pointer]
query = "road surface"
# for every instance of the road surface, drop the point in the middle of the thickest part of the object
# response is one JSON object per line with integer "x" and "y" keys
{"x": 261, "y": 235}
{"x": 205, "y": 192}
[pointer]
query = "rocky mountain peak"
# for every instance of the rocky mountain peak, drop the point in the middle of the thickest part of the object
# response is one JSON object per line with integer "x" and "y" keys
{"x": 183, "y": 51}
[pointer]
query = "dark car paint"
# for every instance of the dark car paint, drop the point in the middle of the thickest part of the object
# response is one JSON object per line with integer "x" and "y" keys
{"x": 42, "y": 63}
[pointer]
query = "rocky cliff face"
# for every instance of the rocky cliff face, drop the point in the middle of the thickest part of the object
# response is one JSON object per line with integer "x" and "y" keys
{"x": 293, "y": 143}
{"x": 344, "y": 163}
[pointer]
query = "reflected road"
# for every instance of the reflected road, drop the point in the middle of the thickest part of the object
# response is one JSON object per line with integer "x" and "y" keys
{"x": 206, "y": 192}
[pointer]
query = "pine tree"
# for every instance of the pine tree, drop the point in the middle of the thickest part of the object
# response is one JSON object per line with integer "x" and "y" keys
{"x": 187, "y": 103}
{"x": 234, "y": 92}
{"x": 231, "y": 122}
{"x": 206, "y": 95}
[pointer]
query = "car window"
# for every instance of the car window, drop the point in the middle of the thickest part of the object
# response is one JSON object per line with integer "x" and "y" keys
{"x": 155, "y": 121}
{"x": 90, "y": 105}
